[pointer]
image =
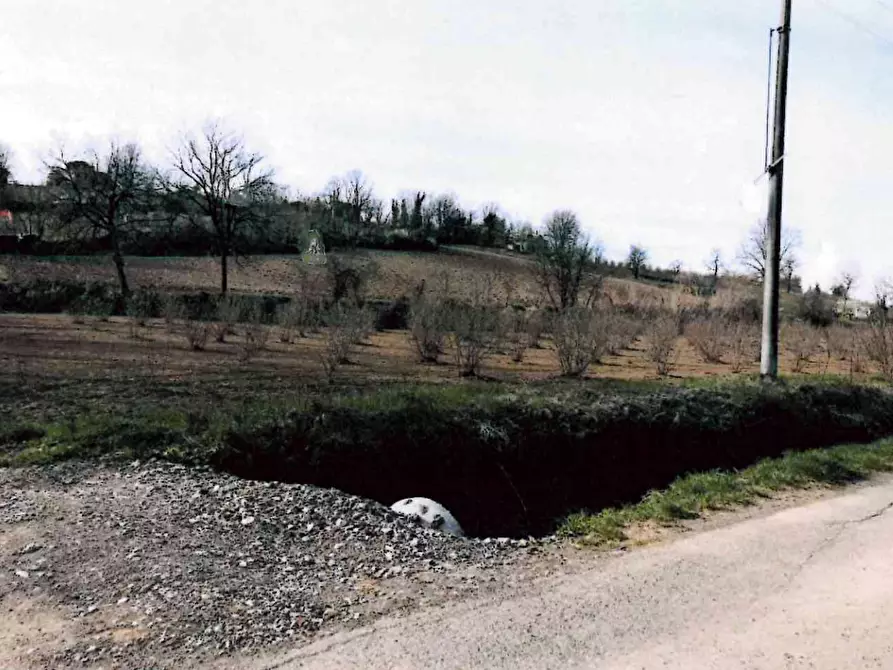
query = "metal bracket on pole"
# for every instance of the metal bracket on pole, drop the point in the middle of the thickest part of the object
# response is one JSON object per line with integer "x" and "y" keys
{"x": 775, "y": 163}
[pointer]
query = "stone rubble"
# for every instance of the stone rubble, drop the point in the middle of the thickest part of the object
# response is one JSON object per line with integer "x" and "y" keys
{"x": 202, "y": 562}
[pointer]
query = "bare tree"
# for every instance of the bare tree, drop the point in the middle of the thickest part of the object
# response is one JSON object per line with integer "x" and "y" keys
{"x": 845, "y": 283}
{"x": 676, "y": 268}
{"x": 361, "y": 203}
{"x": 636, "y": 259}
{"x": 789, "y": 266}
{"x": 567, "y": 263}
{"x": 102, "y": 197}
{"x": 754, "y": 250}
{"x": 226, "y": 184}
{"x": 715, "y": 265}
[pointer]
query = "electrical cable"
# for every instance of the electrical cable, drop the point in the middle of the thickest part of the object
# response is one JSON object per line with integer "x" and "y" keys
{"x": 854, "y": 22}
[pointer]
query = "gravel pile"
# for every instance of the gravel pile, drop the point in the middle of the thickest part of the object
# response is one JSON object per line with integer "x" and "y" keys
{"x": 174, "y": 558}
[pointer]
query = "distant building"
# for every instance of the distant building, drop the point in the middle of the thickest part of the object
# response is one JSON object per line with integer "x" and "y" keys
{"x": 853, "y": 309}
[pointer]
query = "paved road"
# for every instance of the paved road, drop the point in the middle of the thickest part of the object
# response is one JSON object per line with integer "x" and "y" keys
{"x": 809, "y": 587}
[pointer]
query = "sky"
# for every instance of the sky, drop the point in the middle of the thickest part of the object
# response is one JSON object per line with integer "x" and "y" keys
{"x": 645, "y": 117}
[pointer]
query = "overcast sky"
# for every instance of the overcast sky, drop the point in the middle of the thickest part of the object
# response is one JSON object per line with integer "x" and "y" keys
{"x": 644, "y": 116}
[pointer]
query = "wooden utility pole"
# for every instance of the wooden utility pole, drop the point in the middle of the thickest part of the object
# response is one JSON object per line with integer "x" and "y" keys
{"x": 769, "y": 348}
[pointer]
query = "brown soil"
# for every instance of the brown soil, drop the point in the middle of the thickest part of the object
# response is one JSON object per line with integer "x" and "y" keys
{"x": 58, "y": 345}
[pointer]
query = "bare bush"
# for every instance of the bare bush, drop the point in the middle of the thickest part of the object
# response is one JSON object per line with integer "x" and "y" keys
{"x": 878, "y": 344}
{"x": 179, "y": 321}
{"x": 475, "y": 333}
{"x": 708, "y": 335}
{"x": 289, "y": 320}
{"x": 427, "y": 327}
{"x": 364, "y": 324}
{"x": 834, "y": 344}
{"x": 802, "y": 342}
{"x": 229, "y": 311}
{"x": 256, "y": 334}
{"x": 515, "y": 334}
{"x": 196, "y": 333}
{"x": 661, "y": 334}
{"x": 623, "y": 330}
{"x": 742, "y": 339}
{"x": 171, "y": 311}
{"x": 140, "y": 306}
{"x": 344, "y": 325}
{"x": 536, "y": 325}
{"x": 855, "y": 351}
{"x": 581, "y": 338}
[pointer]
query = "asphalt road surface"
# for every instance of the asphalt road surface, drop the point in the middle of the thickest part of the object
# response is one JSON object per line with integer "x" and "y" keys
{"x": 808, "y": 587}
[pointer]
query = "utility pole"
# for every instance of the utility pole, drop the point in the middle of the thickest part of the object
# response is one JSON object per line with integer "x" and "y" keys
{"x": 769, "y": 348}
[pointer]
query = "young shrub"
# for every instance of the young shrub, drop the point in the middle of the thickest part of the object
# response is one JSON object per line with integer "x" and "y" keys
{"x": 427, "y": 328}
{"x": 536, "y": 325}
{"x": 623, "y": 330}
{"x": 142, "y": 305}
{"x": 475, "y": 334}
{"x": 742, "y": 339}
{"x": 661, "y": 334}
{"x": 177, "y": 320}
{"x": 802, "y": 342}
{"x": 834, "y": 344}
{"x": 363, "y": 325}
{"x": 878, "y": 344}
{"x": 516, "y": 335}
{"x": 293, "y": 319}
{"x": 343, "y": 328}
{"x": 581, "y": 338}
{"x": 196, "y": 333}
{"x": 171, "y": 311}
{"x": 229, "y": 311}
{"x": 256, "y": 334}
{"x": 708, "y": 336}
{"x": 855, "y": 350}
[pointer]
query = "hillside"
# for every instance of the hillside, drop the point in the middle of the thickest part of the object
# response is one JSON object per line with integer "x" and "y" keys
{"x": 455, "y": 270}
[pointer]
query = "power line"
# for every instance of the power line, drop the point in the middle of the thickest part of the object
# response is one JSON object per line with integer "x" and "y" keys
{"x": 885, "y": 5}
{"x": 854, "y": 22}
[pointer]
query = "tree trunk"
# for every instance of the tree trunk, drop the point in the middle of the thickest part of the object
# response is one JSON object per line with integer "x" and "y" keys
{"x": 224, "y": 265}
{"x": 119, "y": 266}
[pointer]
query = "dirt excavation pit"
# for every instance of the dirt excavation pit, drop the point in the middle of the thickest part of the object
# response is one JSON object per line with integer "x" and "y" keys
{"x": 153, "y": 563}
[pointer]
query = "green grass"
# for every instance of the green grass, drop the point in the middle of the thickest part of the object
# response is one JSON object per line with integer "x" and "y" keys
{"x": 691, "y": 495}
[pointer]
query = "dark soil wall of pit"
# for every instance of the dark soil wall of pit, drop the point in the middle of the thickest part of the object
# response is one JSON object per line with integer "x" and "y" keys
{"x": 516, "y": 469}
